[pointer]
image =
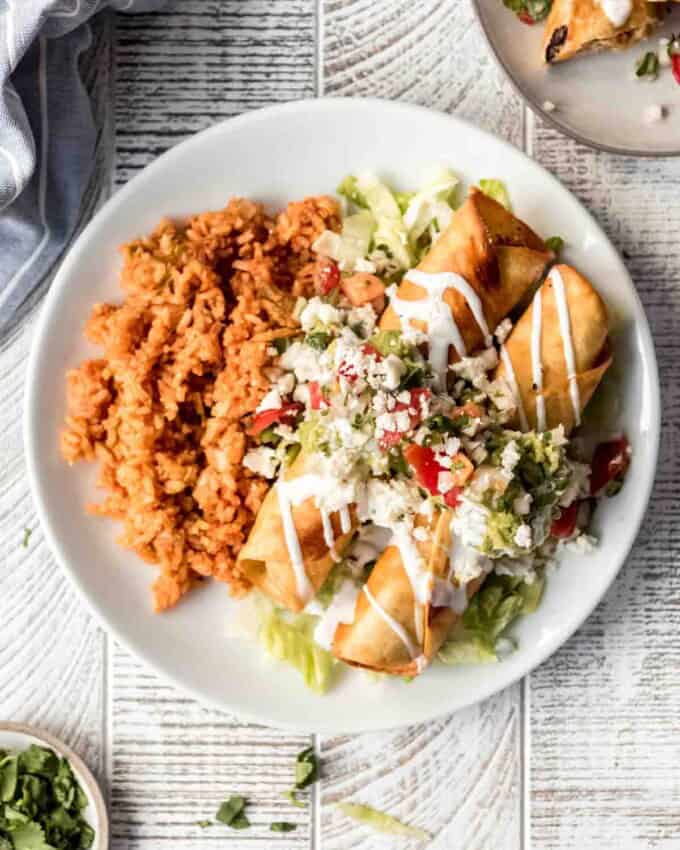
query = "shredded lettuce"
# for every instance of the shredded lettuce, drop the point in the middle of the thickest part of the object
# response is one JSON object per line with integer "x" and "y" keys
{"x": 291, "y": 640}
{"x": 390, "y": 232}
{"x": 490, "y": 613}
{"x": 391, "y": 342}
{"x": 497, "y": 190}
{"x": 432, "y": 206}
{"x": 350, "y": 246}
{"x": 382, "y": 822}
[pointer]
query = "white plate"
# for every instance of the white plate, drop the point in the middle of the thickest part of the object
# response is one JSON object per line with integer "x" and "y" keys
{"x": 599, "y": 102}
{"x": 274, "y": 155}
{"x": 18, "y": 737}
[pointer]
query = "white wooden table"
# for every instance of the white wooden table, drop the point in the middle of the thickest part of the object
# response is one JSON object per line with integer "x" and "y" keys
{"x": 585, "y": 753}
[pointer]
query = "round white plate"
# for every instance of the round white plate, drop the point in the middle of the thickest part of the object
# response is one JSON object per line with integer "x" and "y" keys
{"x": 598, "y": 100}
{"x": 18, "y": 737}
{"x": 275, "y": 155}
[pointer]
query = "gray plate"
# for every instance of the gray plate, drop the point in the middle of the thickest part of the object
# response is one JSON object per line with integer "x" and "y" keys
{"x": 599, "y": 101}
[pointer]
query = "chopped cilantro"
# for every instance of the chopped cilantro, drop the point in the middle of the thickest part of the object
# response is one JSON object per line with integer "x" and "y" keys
{"x": 204, "y": 824}
{"x": 269, "y": 437}
{"x": 282, "y": 343}
{"x": 306, "y": 768}
{"x": 41, "y": 803}
{"x": 27, "y": 537}
{"x": 554, "y": 244}
{"x": 648, "y": 65}
{"x": 320, "y": 340}
{"x": 282, "y": 826}
{"x": 530, "y": 10}
{"x": 291, "y": 796}
{"x": 231, "y": 813}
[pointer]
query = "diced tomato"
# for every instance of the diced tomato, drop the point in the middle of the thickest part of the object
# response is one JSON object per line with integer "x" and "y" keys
{"x": 424, "y": 462}
{"x": 526, "y": 18}
{"x": 367, "y": 348}
{"x": 565, "y": 523}
{"x": 362, "y": 288}
{"x": 316, "y": 399}
{"x": 610, "y": 463}
{"x": 285, "y": 414}
{"x": 425, "y": 466}
{"x": 675, "y": 67}
{"x": 452, "y": 498}
{"x": 326, "y": 275}
{"x": 348, "y": 371}
{"x": 391, "y": 438}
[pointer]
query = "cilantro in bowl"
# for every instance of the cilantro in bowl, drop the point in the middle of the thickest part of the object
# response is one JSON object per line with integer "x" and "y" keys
{"x": 41, "y": 803}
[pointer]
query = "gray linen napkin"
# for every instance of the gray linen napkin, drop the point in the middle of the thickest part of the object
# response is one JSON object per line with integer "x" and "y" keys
{"x": 47, "y": 136}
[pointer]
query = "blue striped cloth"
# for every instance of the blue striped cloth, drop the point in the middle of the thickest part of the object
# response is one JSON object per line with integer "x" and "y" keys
{"x": 47, "y": 137}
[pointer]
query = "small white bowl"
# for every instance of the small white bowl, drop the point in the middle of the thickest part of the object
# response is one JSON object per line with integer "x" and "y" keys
{"x": 18, "y": 737}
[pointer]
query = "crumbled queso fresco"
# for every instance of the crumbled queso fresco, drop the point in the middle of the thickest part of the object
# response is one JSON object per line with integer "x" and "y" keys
{"x": 365, "y": 403}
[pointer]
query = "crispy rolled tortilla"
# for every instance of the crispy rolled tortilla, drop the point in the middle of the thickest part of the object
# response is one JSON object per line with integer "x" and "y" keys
{"x": 268, "y": 557}
{"x": 540, "y": 343}
{"x": 392, "y": 632}
{"x": 581, "y": 26}
{"x": 498, "y": 255}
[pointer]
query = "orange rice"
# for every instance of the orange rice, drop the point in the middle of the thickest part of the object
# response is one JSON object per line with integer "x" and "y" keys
{"x": 186, "y": 359}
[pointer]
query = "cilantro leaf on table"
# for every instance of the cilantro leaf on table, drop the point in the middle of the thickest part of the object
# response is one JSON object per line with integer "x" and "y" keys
{"x": 231, "y": 813}
{"x": 306, "y": 768}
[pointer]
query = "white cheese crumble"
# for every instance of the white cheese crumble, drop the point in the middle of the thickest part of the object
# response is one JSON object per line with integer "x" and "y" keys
{"x": 581, "y": 544}
{"x": 272, "y": 401}
{"x": 522, "y": 504}
{"x": 394, "y": 371}
{"x": 469, "y": 523}
{"x": 262, "y": 461}
{"x": 510, "y": 457}
{"x": 316, "y": 312}
{"x": 549, "y": 106}
{"x": 523, "y": 536}
{"x": 664, "y": 58}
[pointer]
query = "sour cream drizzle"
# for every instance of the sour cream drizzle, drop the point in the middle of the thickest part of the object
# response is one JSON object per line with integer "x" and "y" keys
{"x": 567, "y": 342}
{"x": 396, "y": 627}
{"x": 421, "y": 580}
{"x": 442, "y": 330}
{"x": 293, "y": 493}
{"x": 514, "y": 386}
{"x": 340, "y": 610}
{"x": 536, "y": 362}
{"x": 618, "y": 11}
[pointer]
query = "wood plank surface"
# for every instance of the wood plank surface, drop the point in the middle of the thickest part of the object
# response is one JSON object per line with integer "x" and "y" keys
{"x": 173, "y": 762}
{"x": 460, "y": 778}
{"x": 51, "y": 650}
{"x": 605, "y": 733}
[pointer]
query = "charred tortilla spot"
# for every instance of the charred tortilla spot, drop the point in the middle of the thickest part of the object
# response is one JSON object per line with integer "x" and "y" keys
{"x": 557, "y": 39}
{"x": 489, "y": 273}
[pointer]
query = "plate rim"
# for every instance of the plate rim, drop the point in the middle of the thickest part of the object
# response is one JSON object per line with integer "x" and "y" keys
{"x": 548, "y": 117}
{"x": 80, "y": 769}
{"x": 31, "y": 399}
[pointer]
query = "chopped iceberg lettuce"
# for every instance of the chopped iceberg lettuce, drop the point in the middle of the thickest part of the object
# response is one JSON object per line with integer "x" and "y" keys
{"x": 290, "y": 639}
{"x": 350, "y": 246}
{"x": 382, "y": 822}
{"x": 490, "y": 613}
{"x": 497, "y": 190}
{"x": 390, "y": 232}
{"x": 431, "y": 208}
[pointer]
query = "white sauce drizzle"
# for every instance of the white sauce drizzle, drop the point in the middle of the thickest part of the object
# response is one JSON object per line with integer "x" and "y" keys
{"x": 295, "y": 492}
{"x": 567, "y": 342}
{"x": 536, "y": 363}
{"x": 328, "y": 534}
{"x": 345, "y": 521}
{"x": 618, "y": 11}
{"x": 340, "y": 610}
{"x": 514, "y": 386}
{"x": 447, "y": 595}
{"x": 442, "y": 330}
{"x": 396, "y": 627}
{"x": 421, "y": 580}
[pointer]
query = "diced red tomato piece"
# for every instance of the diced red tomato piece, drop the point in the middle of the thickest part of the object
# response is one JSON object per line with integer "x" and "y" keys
{"x": 326, "y": 275}
{"x": 425, "y": 466}
{"x": 452, "y": 498}
{"x": 564, "y": 525}
{"x": 285, "y": 414}
{"x": 316, "y": 399}
{"x": 610, "y": 463}
{"x": 367, "y": 348}
{"x": 526, "y": 18}
{"x": 675, "y": 67}
{"x": 348, "y": 371}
